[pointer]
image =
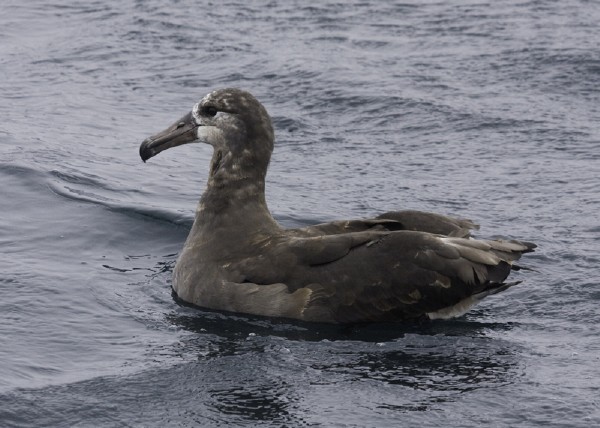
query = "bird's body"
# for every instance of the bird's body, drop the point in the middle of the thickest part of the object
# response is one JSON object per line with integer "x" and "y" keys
{"x": 400, "y": 265}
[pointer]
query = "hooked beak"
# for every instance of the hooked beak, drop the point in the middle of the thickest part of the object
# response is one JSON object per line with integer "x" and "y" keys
{"x": 181, "y": 132}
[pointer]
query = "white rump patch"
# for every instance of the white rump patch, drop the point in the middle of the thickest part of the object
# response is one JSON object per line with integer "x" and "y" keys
{"x": 454, "y": 311}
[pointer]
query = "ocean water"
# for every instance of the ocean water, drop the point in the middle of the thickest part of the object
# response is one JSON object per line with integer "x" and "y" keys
{"x": 483, "y": 110}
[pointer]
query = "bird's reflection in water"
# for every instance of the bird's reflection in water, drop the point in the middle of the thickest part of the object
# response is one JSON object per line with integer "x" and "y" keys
{"x": 264, "y": 369}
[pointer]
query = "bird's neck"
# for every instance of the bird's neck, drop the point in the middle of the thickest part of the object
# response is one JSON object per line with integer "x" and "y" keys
{"x": 234, "y": 199}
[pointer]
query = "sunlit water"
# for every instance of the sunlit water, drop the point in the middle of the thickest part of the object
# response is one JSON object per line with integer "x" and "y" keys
{"x": 485, "y": 111}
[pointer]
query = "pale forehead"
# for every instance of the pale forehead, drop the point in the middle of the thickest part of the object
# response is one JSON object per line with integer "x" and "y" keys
{"x": 212, "y": 97}
{"x": 227, "y": 99}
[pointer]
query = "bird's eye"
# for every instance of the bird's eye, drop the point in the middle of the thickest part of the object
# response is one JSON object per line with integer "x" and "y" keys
{"x": 210, "y": 111}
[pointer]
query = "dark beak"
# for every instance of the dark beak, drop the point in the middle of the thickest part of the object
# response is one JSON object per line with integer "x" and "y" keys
{"x": 181, "y": 132}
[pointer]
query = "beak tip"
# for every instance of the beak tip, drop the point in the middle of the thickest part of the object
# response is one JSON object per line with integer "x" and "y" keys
{"x": 145, "y": 152}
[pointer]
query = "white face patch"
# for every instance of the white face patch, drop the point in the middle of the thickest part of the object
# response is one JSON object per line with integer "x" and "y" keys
{"x": 213, "y": 128}
{"x": 196, "y": 113}
{"x": 210, "y": 135}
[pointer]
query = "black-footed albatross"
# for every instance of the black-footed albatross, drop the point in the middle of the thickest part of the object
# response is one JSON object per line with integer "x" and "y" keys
{"x": 398, "y": 266}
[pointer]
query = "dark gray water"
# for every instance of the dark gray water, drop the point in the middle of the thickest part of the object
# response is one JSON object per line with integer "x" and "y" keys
{"x": 489, "y": 111}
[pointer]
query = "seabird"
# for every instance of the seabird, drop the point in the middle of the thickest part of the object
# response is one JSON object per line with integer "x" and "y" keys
{"x": 398, "y": 266}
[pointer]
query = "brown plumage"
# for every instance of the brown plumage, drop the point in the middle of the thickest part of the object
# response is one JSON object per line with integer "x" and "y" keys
{"x": 398, "y": 266}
